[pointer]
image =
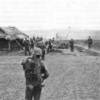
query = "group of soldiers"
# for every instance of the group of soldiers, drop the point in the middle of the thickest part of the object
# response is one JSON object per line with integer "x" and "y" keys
{"x": 47, "y": 46}
{"x": 29, "y": 44}
{"x": 34, "y": 68}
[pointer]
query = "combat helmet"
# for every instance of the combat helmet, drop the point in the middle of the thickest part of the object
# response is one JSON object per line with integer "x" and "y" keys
{"x": 37, "y": 51}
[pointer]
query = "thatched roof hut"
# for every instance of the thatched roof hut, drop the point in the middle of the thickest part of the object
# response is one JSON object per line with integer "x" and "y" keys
{"x": 9, "y": 38}
{"x": 11, "y": 33}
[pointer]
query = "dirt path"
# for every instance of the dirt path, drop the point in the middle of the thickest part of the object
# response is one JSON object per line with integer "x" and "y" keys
{"x": 84, "y": 49}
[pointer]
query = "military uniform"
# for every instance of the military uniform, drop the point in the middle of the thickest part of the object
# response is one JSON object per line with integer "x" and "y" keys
{"x": 90, "y": 42}
{"x": 71, "y": 42}
{"x": 43, "y": 51}
{"x": 34, "y": 76}
{"x": 27, "y": 47}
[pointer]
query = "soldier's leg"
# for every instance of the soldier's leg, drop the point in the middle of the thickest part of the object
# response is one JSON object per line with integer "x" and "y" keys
{"x": 44, "y": 54}
{"x": 25, "y": 52}
{"x": 37, "y": 92}
{"x": 89, "y": 45}
{"x": 72, "y": 48}
{"x": 28, "y": 94}
{"x": 29, "y": 50}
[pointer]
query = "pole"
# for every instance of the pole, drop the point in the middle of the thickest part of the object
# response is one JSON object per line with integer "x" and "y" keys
{"x": 9, "y": 45}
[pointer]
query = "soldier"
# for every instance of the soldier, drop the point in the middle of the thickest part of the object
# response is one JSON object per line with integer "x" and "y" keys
{"x": 50, "y": 46}
{"x": 31, "y": 43}
{"x": 27, "y": 47}
{"x": 71, "y": 42}
{"x": 35, "y": 74}
{"x": 90, "y": 42}
{"x": 43, "y": 51}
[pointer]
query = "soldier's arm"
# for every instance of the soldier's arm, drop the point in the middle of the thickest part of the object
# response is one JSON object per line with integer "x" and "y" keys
{"x": 44, "y": 71}
{"x": 24, "y": 62}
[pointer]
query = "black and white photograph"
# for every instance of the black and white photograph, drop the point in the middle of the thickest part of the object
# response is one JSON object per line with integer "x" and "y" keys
{"x": 49, "y": 49}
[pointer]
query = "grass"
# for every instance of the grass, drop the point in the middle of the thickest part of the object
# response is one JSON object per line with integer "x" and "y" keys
{"x": 71, "y": 78}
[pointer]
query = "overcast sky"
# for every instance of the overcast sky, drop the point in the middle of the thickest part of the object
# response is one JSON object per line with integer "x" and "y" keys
{"x": 50, "y": 14}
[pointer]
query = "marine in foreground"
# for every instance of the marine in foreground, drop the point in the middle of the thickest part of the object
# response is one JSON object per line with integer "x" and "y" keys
{"x": 35, "y": 74}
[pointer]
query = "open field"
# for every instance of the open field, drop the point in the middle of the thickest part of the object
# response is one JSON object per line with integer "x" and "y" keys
{"x": 72, "y": 77}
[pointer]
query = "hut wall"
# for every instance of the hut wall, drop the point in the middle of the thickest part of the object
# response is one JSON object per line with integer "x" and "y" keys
{"x": 3, "y": 44}
{"x": 9, "y": 45}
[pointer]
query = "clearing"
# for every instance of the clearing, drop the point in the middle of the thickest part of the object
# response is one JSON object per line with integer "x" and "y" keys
{"x": 72, "y": 77}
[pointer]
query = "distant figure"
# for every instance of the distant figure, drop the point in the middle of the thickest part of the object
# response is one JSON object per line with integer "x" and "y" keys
{"x": 27, "y": 47}
{"x": 43, "y": 48}
{"x": 90, "y": 42}
{"x": 71, "y": 44}
{"x": 31, "y": 43}
{"x": 50, "y": 46}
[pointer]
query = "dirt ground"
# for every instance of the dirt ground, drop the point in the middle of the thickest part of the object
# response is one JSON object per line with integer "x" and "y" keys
{"x": 72, "y": 77}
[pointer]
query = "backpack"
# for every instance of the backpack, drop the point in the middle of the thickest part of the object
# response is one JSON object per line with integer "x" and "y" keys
{"x": 32, "y": 71}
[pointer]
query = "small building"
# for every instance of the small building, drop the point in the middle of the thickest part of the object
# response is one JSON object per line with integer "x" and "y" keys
{"x": 11, "y": 38}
